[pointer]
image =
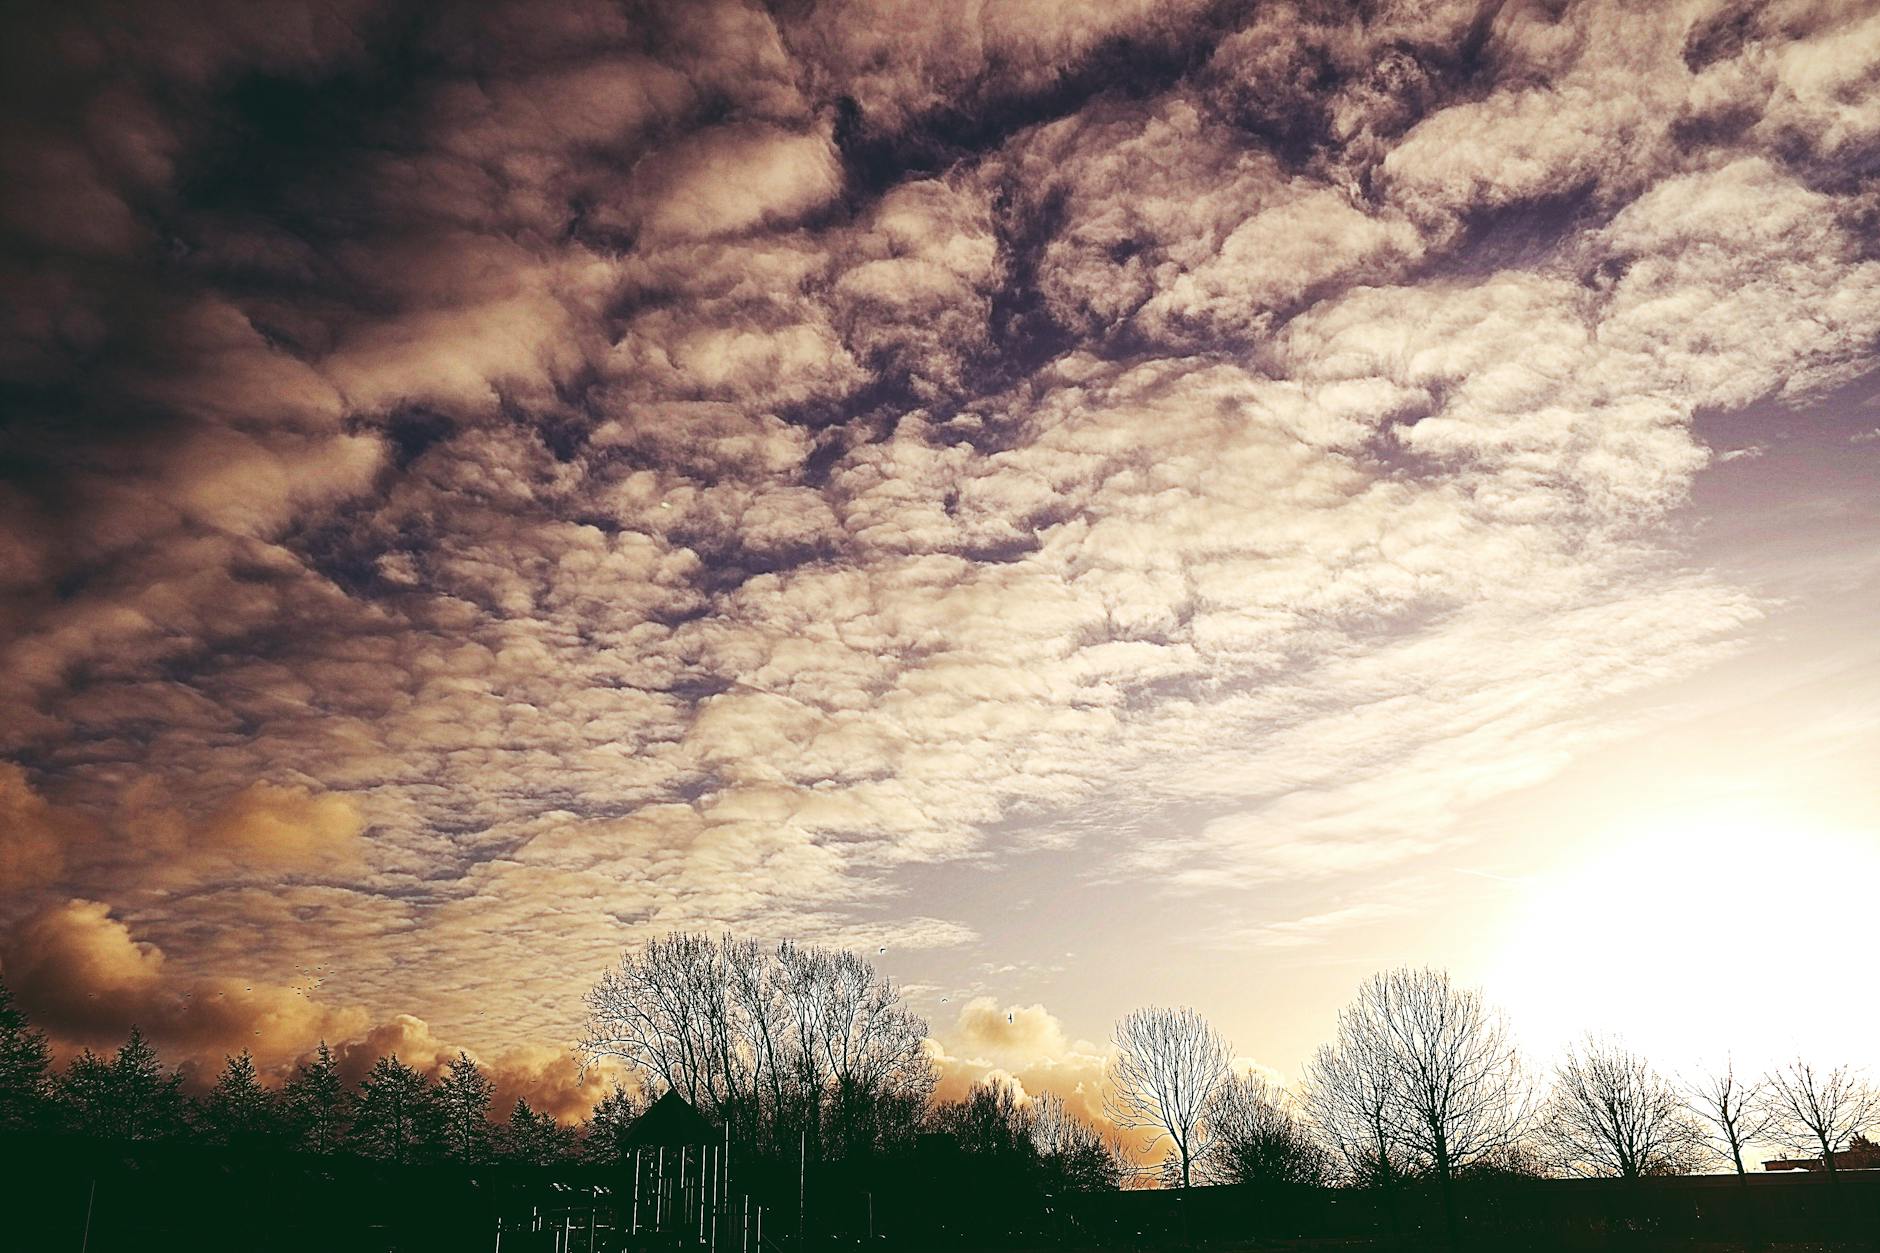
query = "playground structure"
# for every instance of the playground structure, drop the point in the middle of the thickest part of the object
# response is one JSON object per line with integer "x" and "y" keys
{"x": 676, "y": 1190}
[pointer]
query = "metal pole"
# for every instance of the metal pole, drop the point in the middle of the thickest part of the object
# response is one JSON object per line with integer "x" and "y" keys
{"x": 90, "y": 1200}
{"x": 636, "y": 1192}
{"x": 747, "y": 1223}
{"x": 659, "y": 1193}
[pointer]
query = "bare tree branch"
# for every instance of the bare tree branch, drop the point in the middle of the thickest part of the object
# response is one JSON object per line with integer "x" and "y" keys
{"x": 1167, "y": 1065}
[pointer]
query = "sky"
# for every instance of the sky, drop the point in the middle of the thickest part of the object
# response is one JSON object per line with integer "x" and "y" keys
{"x": 1097, "y": 506}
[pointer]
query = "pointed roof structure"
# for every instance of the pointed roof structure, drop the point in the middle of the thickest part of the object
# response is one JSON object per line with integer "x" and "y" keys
{"x": 671, "y": 1120}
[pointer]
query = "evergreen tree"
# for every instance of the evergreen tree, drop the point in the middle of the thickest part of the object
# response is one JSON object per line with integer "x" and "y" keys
{"x": 535, "y": 1139}
{"x": 83, "y": 1096}
{"x": 317, "y": 1105}
{"x": 605, "y": 1131}
{"x": 395, "y": 1117}
{"x": 146, "y": 1103}
{"x": 25, "y": 1089}
{"x": 463, "y": 1101}
{"x": 238, "y": 1110}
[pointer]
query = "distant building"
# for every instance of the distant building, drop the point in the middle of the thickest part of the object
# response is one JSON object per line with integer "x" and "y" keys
{"x": 1860, "y": 1154}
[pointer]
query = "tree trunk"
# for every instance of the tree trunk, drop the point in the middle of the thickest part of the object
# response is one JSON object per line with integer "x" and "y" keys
{"x": 1452, "y": 1221}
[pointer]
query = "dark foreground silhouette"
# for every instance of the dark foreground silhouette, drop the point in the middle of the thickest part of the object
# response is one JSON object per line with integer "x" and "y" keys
{"x": 103, "y": 1197}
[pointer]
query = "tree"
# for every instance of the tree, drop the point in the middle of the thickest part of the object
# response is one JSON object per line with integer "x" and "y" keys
{"x": 83, "y": 1095}
{"x": 463, "y": 1104}
{"x": 604, "y": 1133}
{"x": 317, "y": 1104}
{"x": 1732, "y": 1114}
{"x": 1612, "y": 1114}
{"x": 144, "y": 1102}
{"x": 395, "y": 1116}
{"x": 1348, "y": 1098}
{"x": 1167, "y": 1064}
{"x": 1255, "y": 1135}
{"x": 792, "y": 1045}
{"x": 238, "y": 1110}
{"x": 25, "y": 1062}
{"x": 1072, "y": 1155}
{"x": 1452, "y": 1084}
{"x": 991, "y": 1122}
{"x": 1822, "y": 1110}
{"x": 532, "y": 1138}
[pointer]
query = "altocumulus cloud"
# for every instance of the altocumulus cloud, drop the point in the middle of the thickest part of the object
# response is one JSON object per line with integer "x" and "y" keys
{"x": 482, "y": 484}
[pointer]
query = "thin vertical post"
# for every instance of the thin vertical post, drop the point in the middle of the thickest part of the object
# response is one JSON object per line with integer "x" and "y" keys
{"x": 636, "y": 1192}
{"x": 659, "y": 1192}
{"x": 747, "y": 1223}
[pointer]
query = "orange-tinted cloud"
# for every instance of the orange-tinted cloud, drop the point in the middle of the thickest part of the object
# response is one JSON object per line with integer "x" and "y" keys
{"x": 1024, "y": 1044}
{"x": 80, "y": 974}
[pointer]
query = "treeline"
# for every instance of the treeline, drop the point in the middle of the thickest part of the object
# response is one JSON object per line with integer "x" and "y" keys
{"x": 808, "y": 1053}
{"x": 805, "y": 1052}
{"x": 395, "y": 1113}
{"x": 809, "y": 1056}
{"x": 1423, "y": 1082}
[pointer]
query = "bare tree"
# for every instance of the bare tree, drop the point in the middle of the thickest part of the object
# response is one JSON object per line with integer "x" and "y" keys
{"x": 1732, "y": 1113}
{"x": 1348, "y": 1097}
{"x": 1822, "y": 1109}
{"x": 1256, "y": 1135}
{"x": 1612, "y": 1114}
{"x": 1075, "y": 1156}
{"x": 798, "y": 1047}
{"x": 1167, "y": 1065}
{"x": 1455, "y": 1094}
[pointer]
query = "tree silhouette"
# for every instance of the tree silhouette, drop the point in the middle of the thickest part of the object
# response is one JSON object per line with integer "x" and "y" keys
{"x": 238, "y": 1110}
{"x": 1348, "y": 1097}
{"x": 793, "y": 1046}
{"x": 318, "y": 1108}
{"x": 1255, "y": 1135}
{"x": 25, "y": 1061}
{"x": 83, "y": 1094}
{"x": 1822, "y": 1109}
{"x": 144, "y": 1102}
{"x": 1733, "y": 1113}
{"x": 603, "y": 1135}
{"x": 1610, "y": 1113}
{"x": 395, "y": 1116}
{"x": 1167, "y": 1064}
{"x": 463, "y": 1104}
{"x": 532, "y": 1138}
{"x": 1454, "y": 1092}
{"x": 1073, "y": 1155}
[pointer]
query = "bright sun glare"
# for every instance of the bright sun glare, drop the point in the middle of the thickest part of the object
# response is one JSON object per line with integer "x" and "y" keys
{"x": 1696, "y": 935}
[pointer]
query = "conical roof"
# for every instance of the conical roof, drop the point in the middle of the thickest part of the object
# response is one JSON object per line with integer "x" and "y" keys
{"x": 671, "y": 1120}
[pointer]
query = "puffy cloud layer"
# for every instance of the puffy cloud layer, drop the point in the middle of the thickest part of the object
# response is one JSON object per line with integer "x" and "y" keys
{"x": 484, "y": 486}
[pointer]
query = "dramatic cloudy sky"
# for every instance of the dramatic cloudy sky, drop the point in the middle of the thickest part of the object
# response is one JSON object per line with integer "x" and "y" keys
{"x": 1108, "y": 503}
